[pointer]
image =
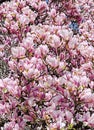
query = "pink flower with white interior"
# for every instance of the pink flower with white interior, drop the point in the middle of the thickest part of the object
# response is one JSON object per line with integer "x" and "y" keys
{"x": 61, "y": 66}
{"x": 2, "y": 47}
{"x": 18, "y": 52}
{"x": 42, "y": 50}
{"x": 87, "y": 96}
{"x": 52, "y": 13}
{"x": 91, "y": 120}
{"x": 12, "y": 86}
{"x": 69, "y": 116}
{"x": 66, "y": 34}
{"x": 31, "y": 73}
{"x": 1, "y": 83}
{"x": 12, "y": 65}
{"x": 27, "y": 43}
{"x": 42, "y": 6}
{"x": 26, "y": 10}
{"x": 52, "y": 61}
{"x": 73, "y": 43}
{"x": 24, "y": 20}
{"x": 11, "y": 126}
{"x": 54, "y": 41}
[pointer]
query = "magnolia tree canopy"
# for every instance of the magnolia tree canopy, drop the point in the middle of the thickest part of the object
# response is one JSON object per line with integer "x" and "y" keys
{"x": 47, "y": 65}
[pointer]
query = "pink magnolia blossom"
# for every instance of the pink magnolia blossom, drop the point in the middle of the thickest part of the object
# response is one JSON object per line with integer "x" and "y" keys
{"x": 91, "y": 120}
{"x": 27, "y": 43}
{"x": 11, "y": 86}
{"x": 54, "y": 41}
{"x": 23, "y": 20}
{"x": 62, "y": 66}
{"x": 4, "y": 108}
{"x": 69, "y": 116}
{"x": 11, "y": 126}
{"x": 42, "y": 6}
{"x": 42, "y": 50}
{"x": 52, "y": 61}
{"x": 53, "y": 13}
{"x": 67, "y": 35}
{"x": 31, "y": 72}
{"x": 87, "y": 96}
{"x": 1, "y": 47}
{"x": 1, "y": 54}
{"x": 12, "y": 64}
{"x": 73, "y": 42}
{"x": 18, "y": 52}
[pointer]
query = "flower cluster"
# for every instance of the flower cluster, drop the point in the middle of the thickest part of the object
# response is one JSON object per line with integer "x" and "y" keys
{"x": 49, "y": 49}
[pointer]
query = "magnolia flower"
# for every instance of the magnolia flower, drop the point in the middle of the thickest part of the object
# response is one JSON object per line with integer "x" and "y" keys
{"x": 54, "y": 41}
{"x": 91, "y": 121}
{"x": 87, "y": 96}
{"x": 1, "y": 83}
{"x": 27, "y": 43}
{"x": 2, "y": 109}
{"x": 26, "y": 10}
{"x": 42, "y": 50}
{"x": 69, "y": 116}
{"x": 86, "y": 50}
{"x": 62, "y": 66}
{"x": 18, "y": 52}
{"x": 11, "y": 126}
{"x": 31, "y": 73}
{"x": 66, "y": 34}
{"x": 42, "y": 6}
{"x": 52, "y": 61}
{"x": 2, "y": 47}
{"x": 24, "y": 20}
{"x": 52, "y": 13}
{"x": 11, "y": 86}
{"x": 12, "y": 65}
{"x": 73, "y": 42}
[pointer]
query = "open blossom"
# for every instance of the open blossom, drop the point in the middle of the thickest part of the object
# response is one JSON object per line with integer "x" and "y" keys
{"x": 67, "y": 35}
{"x": 42, "y": 6}
{"x": 12, "y": 64}
{"x": 87, "y": 96}
{"x": 11, "y": 86}
{"x": 24, "y": 20}
{"x": 42, "y": 50}
{"x": 26, "y": 11}
{"x": 91, "y": 120}
{"x": 27, "y": 43}
{"x": 52, "y": 61}
{"x": 86, "y": 50}
{"x": 59, "y": 19}
{"x": 52, "y": 13}
{"x": 31, "y": 73}
{"x": 18, "y": 52}
{"x": 87, "y": 66}
{"x": 69, "y": 116}
{"x": 61, "y": 66}
{"x": 4, "y": 108}
{"x": 73, "y": 42}
{"x": 11, "y": 126}
{"x": 53, "y": 41}
{"x": 2, "y": 47}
